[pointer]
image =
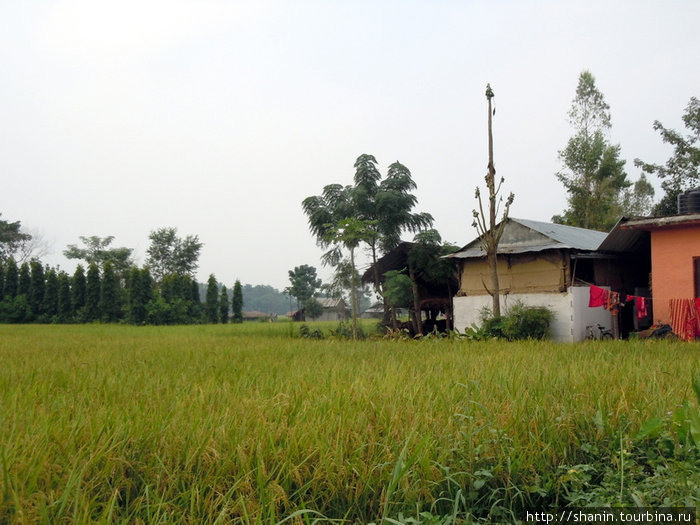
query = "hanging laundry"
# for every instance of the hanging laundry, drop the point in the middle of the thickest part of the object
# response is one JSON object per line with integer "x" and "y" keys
{"x": 641, "y": 304}
{"x": 684, "y": 318}
{"x": 613, "y": 303}
{"x": 597, "y": 296}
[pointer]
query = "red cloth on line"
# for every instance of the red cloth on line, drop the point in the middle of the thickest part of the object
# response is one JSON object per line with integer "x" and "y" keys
{"x": 641, "y": 304}
{"x": 597, "y": 296}
{"x": 685, "y": 321}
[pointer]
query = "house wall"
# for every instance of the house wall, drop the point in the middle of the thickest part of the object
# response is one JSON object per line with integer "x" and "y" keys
{"x": 672, "y": 273}
{"x": 526, "y": 273}
{"x": 571, "y": 311}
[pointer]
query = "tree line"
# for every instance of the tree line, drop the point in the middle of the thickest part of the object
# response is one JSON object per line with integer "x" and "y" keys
{"x": 112, "y": 289}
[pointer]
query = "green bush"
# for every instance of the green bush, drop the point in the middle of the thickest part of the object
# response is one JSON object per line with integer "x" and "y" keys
{"x": 520, "y": 322}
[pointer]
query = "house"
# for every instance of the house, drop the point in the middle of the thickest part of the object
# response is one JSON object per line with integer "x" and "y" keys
{"x": 550, "y": 265}
{"x": 675, "y": 265}
{"x": 333, "y": 310}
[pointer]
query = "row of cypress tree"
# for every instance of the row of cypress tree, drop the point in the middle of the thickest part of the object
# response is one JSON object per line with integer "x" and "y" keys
{"x": 34, "y": 293}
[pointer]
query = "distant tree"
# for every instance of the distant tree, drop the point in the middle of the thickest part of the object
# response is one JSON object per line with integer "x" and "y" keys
{"x": 489, "y": 232}
{"x": 140, "y": 293}
{"x": 237, "y": 302}
{"x": 169, "y": 253}
{"x": 37, "y": 288}
{"x": 97, "y": 249}
{"x": 312, "y": 308}
{"x": 11, "y": 278}
{"x": 109, "y": 294}
{"x": 303, "y": 284}
{"x": 78, "y": 290}
{"x": 682, "y": 170}
{"x": 50, "y": 301}
{"x": 211, "y": 307}
{"x": 386, "y": 206}
{"x": 2, "y": 281}
{"x": 92, "y": 293}
{"x": 349, "y": 233}
{"x": 639, "y": 200}
{"x": 25, "y": 280}
{"x": 11, "y": 238}
{"x": 398, "y": 291}
{"x": 593, "y": 174}
{"x": 195, "y": 303}
{"x": 65, "y": 307}
{"x": 223, "y": 305}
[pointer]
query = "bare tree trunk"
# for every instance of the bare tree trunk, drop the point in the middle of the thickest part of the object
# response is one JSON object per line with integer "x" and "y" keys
{"x": 353, "y": 297}
{"x": 493, "y": 245}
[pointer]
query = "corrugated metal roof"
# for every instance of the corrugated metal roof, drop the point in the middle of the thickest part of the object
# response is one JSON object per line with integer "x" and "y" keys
{"x": 525, "y": 236}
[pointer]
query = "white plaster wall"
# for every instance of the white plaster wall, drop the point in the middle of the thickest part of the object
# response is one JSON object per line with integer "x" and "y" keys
{"x": 571, "y": 311}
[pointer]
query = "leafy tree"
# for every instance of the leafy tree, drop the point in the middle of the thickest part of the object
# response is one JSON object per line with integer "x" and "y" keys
{"x": 223, "y": 305}
{"x": 169, "y": 253}
{"x": 140, "y": 293}
{"x": 489, "y": 232}
{"x": 92, "y": 293}
{"x": 78, "y": 290}
{"x": 37, "y": 287}
{"x": 11, "y": 238}
{"x": 11, "y": 278}
{"x": 237, "y": 302}
{"x": 50, "y": 301}
{"x": 593, "y": 174}
{"x": 211, "y": 307}
{"x": 682, "y": 170}
{"x": 2, "y": 281}
{"x": 386, "y": 206}
{"x": 639, "y": 200}
{"x": 398, "y": 291}
{"x": 109, "y": 294}
{"x": 349, "y": 233}
{"x": 313, "y": 308}
{"x": 97, "y": 249}
{"x": 25, "y": 280}
{"x": 195, "y": 303}
{"x": 304, "y": 284}
{"x": 65, "y": 307}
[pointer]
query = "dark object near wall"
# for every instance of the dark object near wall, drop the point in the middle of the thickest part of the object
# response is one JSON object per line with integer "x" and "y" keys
{"x": 689, "y": 202}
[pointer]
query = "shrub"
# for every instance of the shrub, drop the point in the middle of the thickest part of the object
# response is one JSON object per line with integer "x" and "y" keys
{"x": 520, "y": 322}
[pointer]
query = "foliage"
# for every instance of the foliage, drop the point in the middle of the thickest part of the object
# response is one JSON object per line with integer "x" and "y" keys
{"x": 265, "y": 298}
{"x": 593, "y": 173}
{"x": 398, "y": 289}
{"x": 387, "y": 206}
{"x": 92, "y": 294}
{"x": 211, "y": 303}
{"x": 520, "y": 322}
{"x": 312, "y": 308}
{"x": 11, "y": 278}
{"x": 139, "y": 295}
{"x": 639, "y": 200}
{"x": 168, "y": 253}
{"x": 109, "y": 304}
{"x": 682, "y": 170}
{"x": 237, "y": 302}
{"x": 11, "y": 239}
{"x": 224, "y": 305}
{"x": 303, "y": 283}
{"x": 97, "y": 249}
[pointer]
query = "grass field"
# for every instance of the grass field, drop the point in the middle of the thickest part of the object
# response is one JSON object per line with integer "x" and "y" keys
{"x": 247, "y": 424}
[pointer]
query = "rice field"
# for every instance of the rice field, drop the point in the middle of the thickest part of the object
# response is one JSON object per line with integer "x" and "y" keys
{"x": 253, "y": 424}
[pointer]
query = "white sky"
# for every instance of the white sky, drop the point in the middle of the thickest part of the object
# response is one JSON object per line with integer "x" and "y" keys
{"x": 220, "y": 117}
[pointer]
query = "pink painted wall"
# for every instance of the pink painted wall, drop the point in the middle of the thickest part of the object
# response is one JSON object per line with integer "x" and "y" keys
{"x": 672, "y": 277}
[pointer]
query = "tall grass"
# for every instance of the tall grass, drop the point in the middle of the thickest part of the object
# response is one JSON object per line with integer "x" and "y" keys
{"x": 244, "y": 424}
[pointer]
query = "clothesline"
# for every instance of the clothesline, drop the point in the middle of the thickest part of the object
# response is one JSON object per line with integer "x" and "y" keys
{"x": 612, "y": 301}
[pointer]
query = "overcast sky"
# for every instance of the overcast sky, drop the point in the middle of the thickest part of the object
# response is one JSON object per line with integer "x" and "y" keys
{"x": 220, "y": 117}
